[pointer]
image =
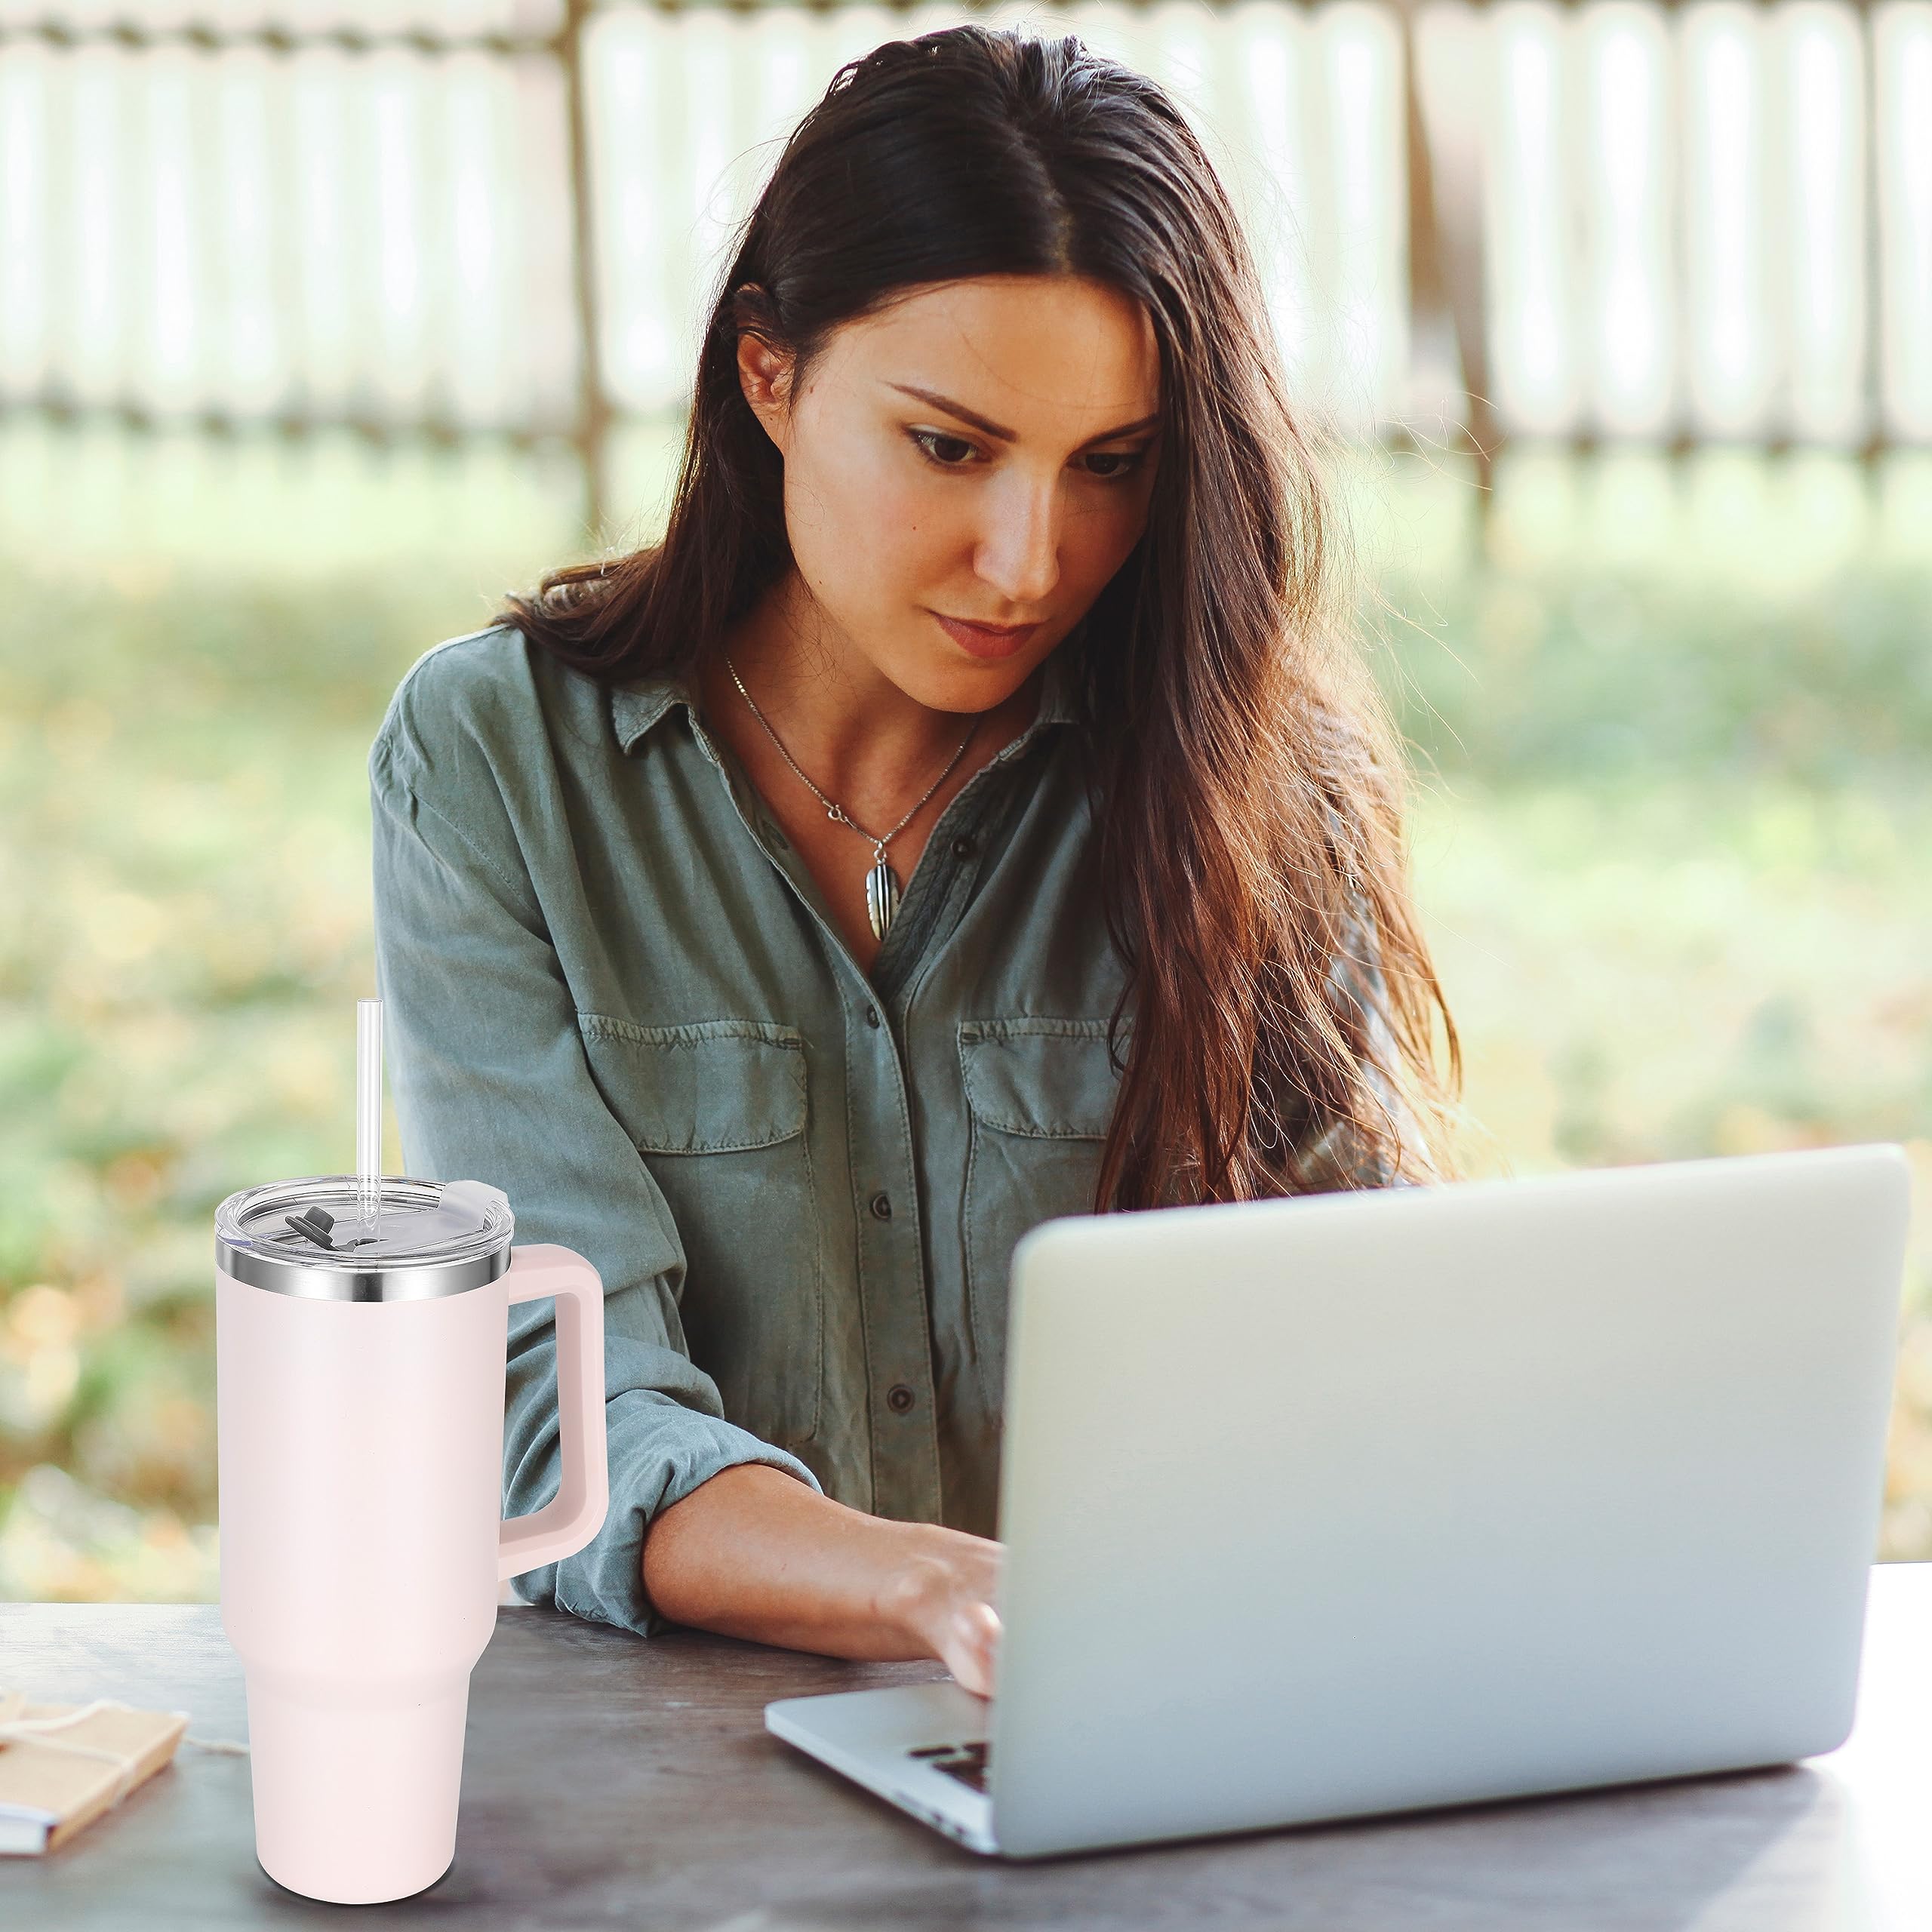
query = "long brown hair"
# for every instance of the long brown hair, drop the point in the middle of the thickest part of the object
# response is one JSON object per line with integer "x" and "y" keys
{"x": 1247, "y": 782}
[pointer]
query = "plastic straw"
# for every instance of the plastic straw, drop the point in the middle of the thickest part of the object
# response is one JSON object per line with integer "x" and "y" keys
{"x": 369, "y": 1108}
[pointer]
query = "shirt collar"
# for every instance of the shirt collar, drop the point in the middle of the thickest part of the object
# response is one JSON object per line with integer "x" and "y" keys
{"x": 636, "y": 708}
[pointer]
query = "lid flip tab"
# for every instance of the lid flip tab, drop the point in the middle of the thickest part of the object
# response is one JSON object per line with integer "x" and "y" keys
{"x": 315, "y": 1222}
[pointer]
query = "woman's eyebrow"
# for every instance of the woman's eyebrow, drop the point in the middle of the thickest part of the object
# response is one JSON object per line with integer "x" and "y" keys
{"x": 1004, "y": 434}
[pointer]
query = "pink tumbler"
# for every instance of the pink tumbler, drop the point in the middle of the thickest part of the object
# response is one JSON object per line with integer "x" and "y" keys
{"x": 360, "y": 1333}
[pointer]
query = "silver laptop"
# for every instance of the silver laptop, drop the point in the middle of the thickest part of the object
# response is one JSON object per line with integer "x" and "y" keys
{"x": 1359, "y": 1503}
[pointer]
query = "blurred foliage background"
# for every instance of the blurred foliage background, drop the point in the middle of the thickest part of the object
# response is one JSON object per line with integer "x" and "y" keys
{"x": 1670, "y": 697}
{"x": 1672, "y": 723}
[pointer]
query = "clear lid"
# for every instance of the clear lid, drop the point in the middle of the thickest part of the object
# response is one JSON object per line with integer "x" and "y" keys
{"x": 323, "y": 1221}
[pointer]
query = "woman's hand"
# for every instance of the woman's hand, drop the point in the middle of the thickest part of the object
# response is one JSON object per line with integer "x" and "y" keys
{"x": 755, "y": 1553}
{"x": 945, "y": 1599}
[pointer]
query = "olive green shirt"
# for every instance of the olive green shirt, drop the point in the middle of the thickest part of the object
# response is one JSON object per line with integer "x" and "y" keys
{"x": 612, "y": 989}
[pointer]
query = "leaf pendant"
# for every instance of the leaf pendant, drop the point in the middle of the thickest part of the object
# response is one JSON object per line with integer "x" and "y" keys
{"x": 881, "y": 897}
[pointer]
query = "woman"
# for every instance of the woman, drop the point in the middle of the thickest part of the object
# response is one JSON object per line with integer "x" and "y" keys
{"x": 968, "y": 814}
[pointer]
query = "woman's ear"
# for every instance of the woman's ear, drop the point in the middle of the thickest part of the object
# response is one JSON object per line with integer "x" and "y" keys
{"x": 764, "y": 374}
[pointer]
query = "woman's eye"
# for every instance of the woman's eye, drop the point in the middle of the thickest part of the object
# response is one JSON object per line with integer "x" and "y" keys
{"x": 936, "y": 441}
{"x": 1126, "y": 462}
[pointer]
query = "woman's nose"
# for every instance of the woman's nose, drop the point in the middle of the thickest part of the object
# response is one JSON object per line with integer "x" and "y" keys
{"x": 1019, "y": 553}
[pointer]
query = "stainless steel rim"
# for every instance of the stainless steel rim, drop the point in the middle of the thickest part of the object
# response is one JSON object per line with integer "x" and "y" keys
{"x": 405, "y": 1284}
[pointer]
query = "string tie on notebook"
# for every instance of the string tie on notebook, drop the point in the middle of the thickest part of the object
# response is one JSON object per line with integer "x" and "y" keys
{"x": 40, "y": 1730}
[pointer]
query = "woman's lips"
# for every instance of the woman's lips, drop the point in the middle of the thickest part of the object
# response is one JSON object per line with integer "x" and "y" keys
{"x": 986, "y": 640}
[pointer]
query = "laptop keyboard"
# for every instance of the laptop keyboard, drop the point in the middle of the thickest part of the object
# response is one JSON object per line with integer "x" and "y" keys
{"x": 966, "y": 1762}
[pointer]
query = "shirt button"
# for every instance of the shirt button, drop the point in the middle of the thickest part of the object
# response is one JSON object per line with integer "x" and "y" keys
{"x": 872, "y": 1016}
{"x": 899, "y": 1398}
{"x": 881, "y": 1207}
{"x": 962, "y": 848}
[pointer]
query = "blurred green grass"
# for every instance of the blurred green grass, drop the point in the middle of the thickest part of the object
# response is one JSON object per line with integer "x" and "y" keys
{"x": 1672, "y": 726}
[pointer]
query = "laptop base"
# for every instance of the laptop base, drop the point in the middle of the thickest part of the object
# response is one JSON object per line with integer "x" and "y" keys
{"x": 917, "y": 1746}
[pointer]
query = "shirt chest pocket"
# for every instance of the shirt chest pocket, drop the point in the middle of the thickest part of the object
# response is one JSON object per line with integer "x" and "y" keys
{"x": 1039, "y": 1098}
{"x": 717, "y": 1112}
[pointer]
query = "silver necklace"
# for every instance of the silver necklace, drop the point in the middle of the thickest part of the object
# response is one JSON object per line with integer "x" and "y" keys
{"x": 881, "y": 882}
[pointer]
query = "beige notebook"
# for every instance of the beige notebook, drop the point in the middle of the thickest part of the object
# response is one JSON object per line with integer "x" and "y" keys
{"x": 49, "y": 1790}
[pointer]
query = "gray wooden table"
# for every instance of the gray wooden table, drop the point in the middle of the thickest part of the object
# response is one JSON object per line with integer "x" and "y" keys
{"x": 612, "y": 1781}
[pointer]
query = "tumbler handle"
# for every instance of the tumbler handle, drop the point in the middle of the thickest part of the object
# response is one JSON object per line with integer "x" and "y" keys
{"x": 575, "y": 1513}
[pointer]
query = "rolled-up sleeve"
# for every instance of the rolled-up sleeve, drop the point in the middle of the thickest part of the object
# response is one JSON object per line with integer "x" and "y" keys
{"x": 491, "y": 1083}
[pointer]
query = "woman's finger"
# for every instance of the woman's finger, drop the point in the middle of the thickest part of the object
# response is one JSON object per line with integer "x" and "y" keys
{"x": 977, "y": 1648}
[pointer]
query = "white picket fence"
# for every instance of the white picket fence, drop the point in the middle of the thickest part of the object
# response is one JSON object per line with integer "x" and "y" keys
{"x": 1713, "y": 222}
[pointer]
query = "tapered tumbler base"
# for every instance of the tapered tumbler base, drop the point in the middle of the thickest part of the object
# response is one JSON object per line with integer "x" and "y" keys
{"x": 356, "y": 1801}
